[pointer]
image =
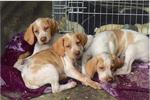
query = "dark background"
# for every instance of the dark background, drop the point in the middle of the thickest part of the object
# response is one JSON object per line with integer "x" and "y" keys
{"x": 16, "y": 16}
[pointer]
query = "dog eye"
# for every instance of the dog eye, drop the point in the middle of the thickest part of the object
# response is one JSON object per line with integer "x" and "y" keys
{"x": 36, "y": 31}
{"x": 113, "y": 69}
{"x": 68, "y": 46}
{"x": 113, "y": 65}
{"x": 46, "y": 28}
{"x": 78, "y": 42}
{"x": 101, "y": 68}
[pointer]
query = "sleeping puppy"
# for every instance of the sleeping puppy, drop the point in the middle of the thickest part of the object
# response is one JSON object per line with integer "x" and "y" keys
{"x": 41, "y": 32}
{"x": 108, "y": 46}
{"x": 96, "y": 64}
{"x": 56, "y": 63}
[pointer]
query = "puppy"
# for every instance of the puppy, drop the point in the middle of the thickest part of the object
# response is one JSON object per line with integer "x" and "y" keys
{"x": 96, "y": 64}
{"x": 40, "y": 32}
{"x": 126, "y": 44}
{"x": 56, "y": 63}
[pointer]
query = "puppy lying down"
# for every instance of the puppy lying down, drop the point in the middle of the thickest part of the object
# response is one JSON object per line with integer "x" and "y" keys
{"x": 56, "y": 63}
{"x": 133, "y": 82}
{"x": 40, "y": 33}
{"x": 102, "y": 55}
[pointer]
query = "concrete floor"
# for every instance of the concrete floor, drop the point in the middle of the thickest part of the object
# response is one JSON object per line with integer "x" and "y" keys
{"x": 78, "y": 93}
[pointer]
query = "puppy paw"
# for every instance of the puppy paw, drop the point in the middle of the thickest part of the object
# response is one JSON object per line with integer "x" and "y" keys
{"x": 72, "y": 84}
{"x": 93, "y": 84}
{"x": 96, "y": 85}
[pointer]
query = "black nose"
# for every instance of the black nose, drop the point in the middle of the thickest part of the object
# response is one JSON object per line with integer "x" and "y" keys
{"x": 43, "y": 39}
{"x": 77, "y": 53}
{"x": 109, "y": 79}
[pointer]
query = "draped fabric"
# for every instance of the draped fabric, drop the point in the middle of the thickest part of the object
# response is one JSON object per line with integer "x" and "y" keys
{"x": 134, "y": 86}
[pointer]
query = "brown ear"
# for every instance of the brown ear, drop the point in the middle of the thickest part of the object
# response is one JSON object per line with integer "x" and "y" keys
{"x": 53, "y": 25}
{"x": 117, "y": 62}
{"x": 29, "y": 35}
{"x": 58, "y": 47}
{"x": 91, "y": 67}
{"x": 82, "y": 37}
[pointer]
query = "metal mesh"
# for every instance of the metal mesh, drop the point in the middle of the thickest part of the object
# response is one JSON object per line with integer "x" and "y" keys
{"x": 91, "y": 14}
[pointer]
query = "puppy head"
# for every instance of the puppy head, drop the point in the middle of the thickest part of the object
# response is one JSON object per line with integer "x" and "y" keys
{"x": 71, "y": 45}
{"x": 104, "y": 67}
{"x": 43, "y": 29}
{"x": 97, "y": 64}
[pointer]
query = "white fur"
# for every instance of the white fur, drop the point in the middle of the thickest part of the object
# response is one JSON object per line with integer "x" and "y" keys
{"x": 102, "y": 46}
{"x": 39, "y": 47}
{"x": 48, "y": 73}
{"x": 138, "y": 50}
{"x": 50, "y": 76}
{"x": 41, "y": 32}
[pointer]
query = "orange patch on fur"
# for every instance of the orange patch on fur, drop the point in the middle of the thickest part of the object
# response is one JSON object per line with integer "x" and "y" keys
{"x": 24, "y": 55}
{"x": 48, "y": 56}
{"x": 130, "y": 38}
{"x": 120, "y": 42}
{"x": 53, "y": 25}
{"x": 82, "y": 38}
{"x": 92, "y": 66}
{"x": 29, "y": 35}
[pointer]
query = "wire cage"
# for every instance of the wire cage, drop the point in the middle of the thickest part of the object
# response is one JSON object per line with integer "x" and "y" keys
{"x": 92, "y": 14}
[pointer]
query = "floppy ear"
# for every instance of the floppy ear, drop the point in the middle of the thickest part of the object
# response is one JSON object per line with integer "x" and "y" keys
{"x": 53, "y": 25}
{"x": 91, "y": 67}
{"x": 82, "y": 37}
{"x": 117, "y": 62}
{"x": 58, "y": 47}
{"x": 29, "y": 35}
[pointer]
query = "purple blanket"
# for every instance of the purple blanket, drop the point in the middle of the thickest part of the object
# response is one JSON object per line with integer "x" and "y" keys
{"x": 130, "y": 87}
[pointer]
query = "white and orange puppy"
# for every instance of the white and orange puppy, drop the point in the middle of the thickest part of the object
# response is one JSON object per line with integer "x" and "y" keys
{"x": 41, "y": 31}
{"x": 108, "y": 46}
{"x": 56, "y": 63}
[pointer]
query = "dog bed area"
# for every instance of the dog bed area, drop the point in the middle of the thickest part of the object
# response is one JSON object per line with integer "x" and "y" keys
{"x": 127, "y": 87}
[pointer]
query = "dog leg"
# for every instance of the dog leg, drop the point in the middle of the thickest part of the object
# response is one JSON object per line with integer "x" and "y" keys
{"x": 138, "y": 50}
{"x": 85, "y": 58}
{"x": 68, "y": 85}
{"x": 73, "y": 73}
{"x": 56, "y": 87}
{"x": 129, "y": 58}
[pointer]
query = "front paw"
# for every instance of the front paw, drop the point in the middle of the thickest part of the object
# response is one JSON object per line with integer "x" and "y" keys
{"x": 93, "y": 84}
{"x": 72, "y": 83}
{"x": 124, "y": 70}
